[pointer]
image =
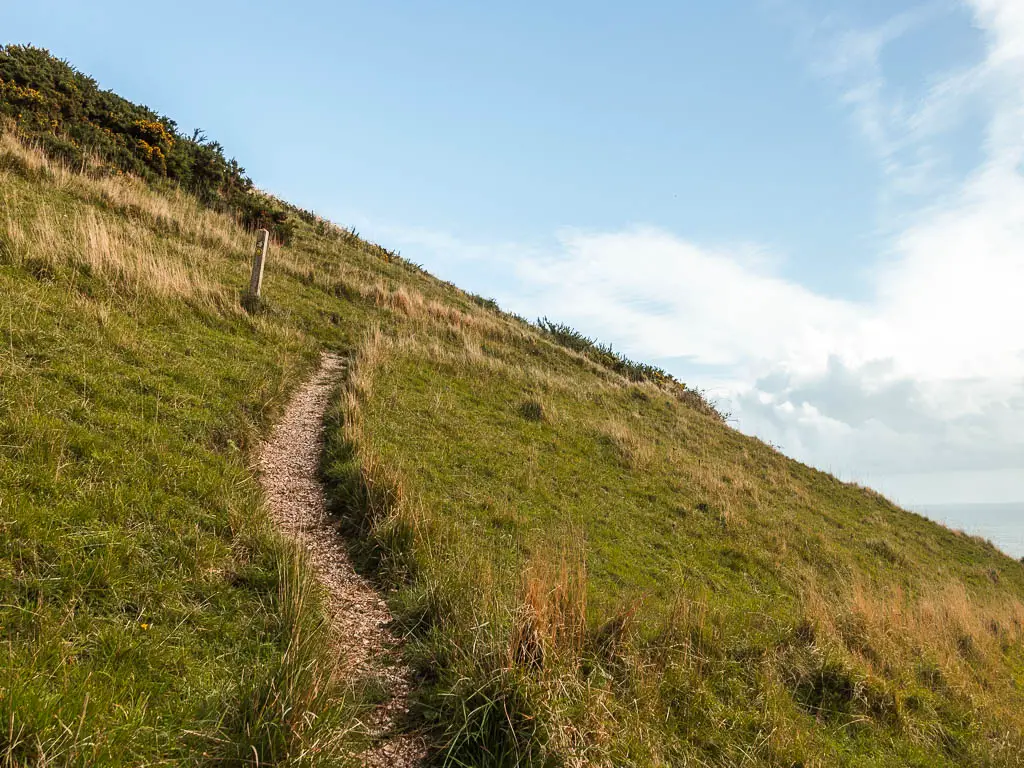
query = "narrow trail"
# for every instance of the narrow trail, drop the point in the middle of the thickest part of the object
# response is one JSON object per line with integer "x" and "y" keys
{"x": 288, "y": 465}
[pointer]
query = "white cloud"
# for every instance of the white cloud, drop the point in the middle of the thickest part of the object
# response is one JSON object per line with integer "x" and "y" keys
{"x": 663, "y": 297}
{"x": 909, "y": 124}
{"x": 927, "y": 376}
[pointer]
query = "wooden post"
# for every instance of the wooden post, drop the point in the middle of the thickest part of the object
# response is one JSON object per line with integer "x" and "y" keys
{"x": 256, "y": 281}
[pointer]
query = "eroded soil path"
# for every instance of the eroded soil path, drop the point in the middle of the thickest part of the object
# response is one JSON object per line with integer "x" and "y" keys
{"x": 359, "y": 616}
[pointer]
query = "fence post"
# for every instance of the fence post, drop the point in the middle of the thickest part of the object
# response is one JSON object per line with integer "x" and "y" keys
{"x": 256, "y": 281}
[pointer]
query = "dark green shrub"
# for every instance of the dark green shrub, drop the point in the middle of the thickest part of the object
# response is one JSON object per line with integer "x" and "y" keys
{"x": 531, "y": 410}
{"x": 604, "y": 355}
{"x": 70, "y": 118}
{"x": 480, "y": 301}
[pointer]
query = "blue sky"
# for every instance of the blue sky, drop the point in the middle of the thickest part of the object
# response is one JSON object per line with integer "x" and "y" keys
{"x": 813, "y": 209}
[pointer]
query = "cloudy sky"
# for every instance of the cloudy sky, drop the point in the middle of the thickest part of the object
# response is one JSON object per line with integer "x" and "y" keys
{"x": 812, "y": 209}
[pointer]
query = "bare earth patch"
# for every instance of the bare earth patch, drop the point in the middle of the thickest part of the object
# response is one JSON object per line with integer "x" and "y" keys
{"x": 359, "y": 617}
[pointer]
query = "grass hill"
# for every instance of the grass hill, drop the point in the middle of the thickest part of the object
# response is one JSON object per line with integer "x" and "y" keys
{"x": 591, "y": 567}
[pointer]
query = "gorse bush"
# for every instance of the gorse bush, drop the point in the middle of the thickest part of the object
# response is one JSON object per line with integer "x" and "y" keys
{"x": 67, "y": 114}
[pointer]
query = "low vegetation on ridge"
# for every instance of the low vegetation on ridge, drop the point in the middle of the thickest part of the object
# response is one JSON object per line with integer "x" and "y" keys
{"x": 590, "y": 566}
{"x": 67, "y": 114}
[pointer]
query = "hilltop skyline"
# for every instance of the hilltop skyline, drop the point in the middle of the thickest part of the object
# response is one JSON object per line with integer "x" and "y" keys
{"x": 812, "y": 210}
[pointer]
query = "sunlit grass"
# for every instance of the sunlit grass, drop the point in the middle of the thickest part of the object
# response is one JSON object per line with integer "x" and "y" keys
{"x": 599, "y": 571}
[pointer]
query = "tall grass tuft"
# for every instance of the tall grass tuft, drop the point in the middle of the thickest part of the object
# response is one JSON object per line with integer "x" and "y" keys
{"x": 293, "y": 711}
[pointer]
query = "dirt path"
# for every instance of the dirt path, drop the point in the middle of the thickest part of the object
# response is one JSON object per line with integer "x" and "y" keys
{"x": 359, "y": 617}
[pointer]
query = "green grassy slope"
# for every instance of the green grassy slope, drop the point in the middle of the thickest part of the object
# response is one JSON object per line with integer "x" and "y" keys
{"x": 591, "y": 567}
{"x": 146, "y": 606}
{"x": 597, "y": 571}
{"x": 653, "y": 588}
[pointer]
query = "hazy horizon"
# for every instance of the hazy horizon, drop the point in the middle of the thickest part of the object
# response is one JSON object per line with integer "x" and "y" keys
{"x": 1000, "y": 523}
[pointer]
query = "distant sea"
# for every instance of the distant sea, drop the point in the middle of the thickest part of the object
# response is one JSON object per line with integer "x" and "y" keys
{"x": 1002, "y": 524}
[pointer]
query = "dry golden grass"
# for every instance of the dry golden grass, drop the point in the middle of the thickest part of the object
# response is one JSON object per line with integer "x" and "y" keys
{"x": 170, "y": 210}
{"x": 956, "y": 638}
{"x": 175, "y": 212}
{"x": 634, "y": 449}
{"x": 122, "y": 248}
{"x": 117, "y": 250}
{"x": 386, "y": 508}
{"x": 552, "y": 619}
{"x": 21, "y": 156}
